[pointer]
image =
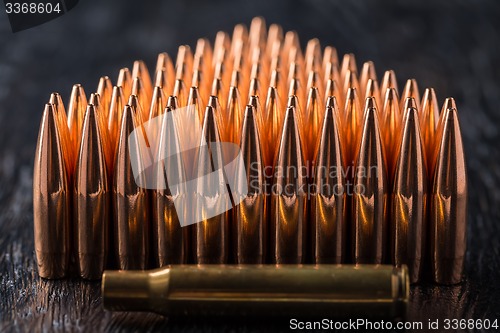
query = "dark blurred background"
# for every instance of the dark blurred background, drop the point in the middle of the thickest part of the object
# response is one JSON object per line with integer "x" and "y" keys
{"x": 453, "y": 46}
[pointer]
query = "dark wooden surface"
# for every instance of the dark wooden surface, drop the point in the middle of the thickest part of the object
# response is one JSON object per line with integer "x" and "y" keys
{"x": 450, "y": 45}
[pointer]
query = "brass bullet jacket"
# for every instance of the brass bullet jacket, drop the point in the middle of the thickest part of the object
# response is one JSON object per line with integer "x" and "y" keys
{"x": 370, "y": 195}
{"x": 289, "y": 196}
{"x": 211, "y": 235}
{"x": 51, "y": 200}
{"x": 91, "y": 200}
{"x": 409, "y": 199}
{"x": 328, "y": 196}
{"x": 249, "y": 223}
{"x": 130, "y": 201}
{"x": 170, "y": 239}
{"x": 448, "y": 211}
{"x": 333, "y": 291}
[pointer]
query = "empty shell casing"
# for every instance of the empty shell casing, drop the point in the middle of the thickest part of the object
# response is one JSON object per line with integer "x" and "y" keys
{"x": 289, "y": 196}
{"x": 328, "y": 196}
{"x": 130, "y": 201}
{"x": 51, "y": 200}
{"x": 250, "y": 215}
{"x": 324, "y": 290}
{"x": 448, "y": 201}
{"x": 91, "y": 199}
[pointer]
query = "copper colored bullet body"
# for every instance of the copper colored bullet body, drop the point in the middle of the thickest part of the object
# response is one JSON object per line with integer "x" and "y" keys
{"x": 289, "y": 196}
{"x": 51, "y": 200}
{"x": 370, "y": 195}
{"x": 91, "y": 199}
{"x": 170, "y": 239}
{"x": 448, "y": 211}
{"x": 429, "y": 116}
{"x": 130, "y": 201}
{"x": 409, "y": 198}
{"x": 249, "y": 217}
{"x": 76, "y": 112}
{"x": 328, "y": 196}
{"x": 211, "y": 235}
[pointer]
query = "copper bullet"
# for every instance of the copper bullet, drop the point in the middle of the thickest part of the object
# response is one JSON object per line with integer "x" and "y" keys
{"x": 353, "y": 118}
{"x": 328, "y": 195}
{"x": 95, "y": 100}
{"x": 211, "y": 235}
{"x": 234, "y": 116}
{"x": 273, "y": 123}
{"x": 170, "y": 239}
{"x": 370, "y": 195}
{"x": 372, "y": 90}
{"x": 409, "y": 199}
{"x": 390, "y": 125}
{"x": 429, "y": 116}
{"x": 389, "y": 81}
{"x": 62, "y": 123}
{"x": 104, "y": 90}
{"x": 164, "y": 63}
{"x": 218, "y": 90}
{"x": 332, "y": 89}
{"x": 143, "y": 98}
{"x": 183, "y": 63}
{"x": 411, "y": 90}
{"x": 348, "y": 64}
{"x": 351, "y": 81}
{"x": 130, "y": 201}
{"x": 249, "y": 225}
{"x": 313, "y": 80}
{"x": 196, "y": 102}
{"x": 91, "y": 199}
{"x": 161, "y": 80}
{"x": 179, "y": 91}
{"x": 367, "y": 72}
{"x": 203, "y": 49}
{"x": 158, "y": 102}
{"x": 330, "y": 56}
{"x": 51, "y": 200}
{"x": 115, "y": 115}
{"x": 314, "y": 118}
{"x": 448, "y": 207}
{"x": 125, "y": 81}
{"x": 289, "y": 196}
{"x": 139, "y": 70}
{"x": 313, "y": 55}
{"x": 76, "y": 111}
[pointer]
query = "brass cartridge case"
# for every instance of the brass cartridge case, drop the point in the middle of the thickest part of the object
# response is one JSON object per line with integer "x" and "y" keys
{"x": 289, "y": 290}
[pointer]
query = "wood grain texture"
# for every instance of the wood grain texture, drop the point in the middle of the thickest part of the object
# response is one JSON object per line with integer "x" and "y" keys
{"x": 450, "y": 45}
